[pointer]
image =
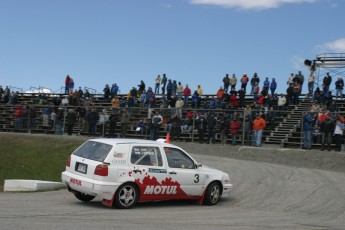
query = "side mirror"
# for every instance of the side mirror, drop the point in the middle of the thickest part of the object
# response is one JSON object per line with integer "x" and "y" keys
{"x": 198, "y": 165}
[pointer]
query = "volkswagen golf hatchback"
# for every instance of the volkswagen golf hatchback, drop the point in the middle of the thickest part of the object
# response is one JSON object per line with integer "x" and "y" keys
{"x": 123, "y": 172}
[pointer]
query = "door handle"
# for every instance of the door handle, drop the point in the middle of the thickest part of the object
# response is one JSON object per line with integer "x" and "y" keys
{"x": 136, "y": 170}
{"x": 172, "y": 172}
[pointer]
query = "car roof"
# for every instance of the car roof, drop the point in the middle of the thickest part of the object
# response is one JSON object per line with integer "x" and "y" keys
{"x": 115, "y": 141}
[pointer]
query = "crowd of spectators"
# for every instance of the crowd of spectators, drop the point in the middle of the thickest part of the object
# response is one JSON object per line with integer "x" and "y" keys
{"x": 169, "y": 100}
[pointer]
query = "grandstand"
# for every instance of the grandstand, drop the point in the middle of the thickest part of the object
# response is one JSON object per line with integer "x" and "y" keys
{"x": 285, "y": 131}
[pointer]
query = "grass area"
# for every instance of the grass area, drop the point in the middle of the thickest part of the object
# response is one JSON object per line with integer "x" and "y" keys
{"x": 37, "y": 157}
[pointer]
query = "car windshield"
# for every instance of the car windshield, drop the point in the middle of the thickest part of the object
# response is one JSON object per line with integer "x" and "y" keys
{"x": 94, "y": 151}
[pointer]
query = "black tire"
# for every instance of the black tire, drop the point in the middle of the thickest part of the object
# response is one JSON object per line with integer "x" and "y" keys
{"x": 213, "y": 194}
{"x": 126, "y": 196}
{"x": 84, "y": 197}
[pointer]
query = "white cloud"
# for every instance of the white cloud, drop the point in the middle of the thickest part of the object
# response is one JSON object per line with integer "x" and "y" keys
{"x": 249, "y": 4}
{"x": 337, "y": 46}
{"x": 297, "y": 62}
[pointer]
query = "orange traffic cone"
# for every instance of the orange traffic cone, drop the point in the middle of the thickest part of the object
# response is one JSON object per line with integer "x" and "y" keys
{"x": 167, "y": 138}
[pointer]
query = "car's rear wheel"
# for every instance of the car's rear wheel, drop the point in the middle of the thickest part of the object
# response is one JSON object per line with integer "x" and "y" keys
{"x": 213, "y": 193}
{"x": 126, "y": 196}
{"x": 84, "y": 197}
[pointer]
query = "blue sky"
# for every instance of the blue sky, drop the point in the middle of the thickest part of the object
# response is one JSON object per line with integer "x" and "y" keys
{"x": 192, "y": 41}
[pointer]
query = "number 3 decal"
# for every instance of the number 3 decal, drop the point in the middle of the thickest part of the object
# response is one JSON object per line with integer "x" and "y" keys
{"x": 196, "y": 178}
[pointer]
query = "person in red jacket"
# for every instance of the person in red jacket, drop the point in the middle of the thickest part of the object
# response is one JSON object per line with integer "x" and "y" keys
{"x": 259, "y": 125}
{"x": 234, "y": 129}
{"x": 186, "y": 94}
{"x": 67, "y": 81}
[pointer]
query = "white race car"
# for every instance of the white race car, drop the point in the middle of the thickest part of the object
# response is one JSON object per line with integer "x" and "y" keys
{"x": 123, "y": 172}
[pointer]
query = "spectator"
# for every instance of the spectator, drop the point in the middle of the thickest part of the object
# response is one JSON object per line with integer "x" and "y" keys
{"x": 164, "y": 82}
{"x": 141, "y": 87}
{"x": 224, "y": 128}
{"x": 338, "y": 132}
{"x": 256, "y": 90}
{"x": 226, "y": 82}
{"x": 339, "y": 86}
{"x": 316, "y": 134}
{"x": 178, "y": 106}
{"x": 244, "y": 81}
{"x": 296, "y": 92}
{"x": 186, "y": 94}
{"x": 173, "y": 88}
{"x": 187, "y": 125}
{"x": 71, "y": 119}
{"x": 103, "y": 120}
{"x": 71, "y": 86}
{"x": 233, "y": 82}
{"x": 281, "y": 104}
{"x": 106, "y": 92}
{"x": 311, "y": 81}
{"x": 92, "y": 118}
{"x": 300, "y": 77}
{"x": 53, "y": 116}
{"x": 241, "y": 96}
{"x": 273, "y": 86}
{"x": 67, "y": 81}
{"x": 254, "y": 82}
{"x": 7, "y": 93}
{"x": 211, "y": 126}
{"x": 266, "y": 85}
{"x": 18, "y": 114}
{"x": 157, "y": 121}
{"x": 233, "y": 99}
{"x": 247, "y": 126}
{"x": 234, "y": 129}
{"x": 179, "y": 89}
{"x": 327, "y": 80}
{"x": 326, "y": 128}
{"x": 220, "y": 94}
{"x": 175, "y": 127}
{"x": 45, "y": 116}
{"x": 1, "y": 93}
{"x": 115, "y": 103}
{"x": 195, "y": 100}
{"x": 259, "y": 125}
{"x": 169, "y": 88}
{"x": 290, "y": 79}
{"x": 124, "y": 122}
{"x": 114, "y": 90}
{"x": 141, "y": 126}
{"x": 308, "y": 121}
{"x": 201, "y": 125}
{"x": 157, "y": 84}
{"x": 200, "y": 92}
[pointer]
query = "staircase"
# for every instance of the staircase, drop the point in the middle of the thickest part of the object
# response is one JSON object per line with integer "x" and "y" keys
{"x": 289, "y": 126}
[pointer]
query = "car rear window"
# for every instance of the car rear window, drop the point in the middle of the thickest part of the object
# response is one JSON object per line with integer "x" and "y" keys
{"x": 94, "y": 151}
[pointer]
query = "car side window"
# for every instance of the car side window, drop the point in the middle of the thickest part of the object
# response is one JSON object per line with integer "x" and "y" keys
{"x": 146, "y": 155}
{"x": 178, "y": 159}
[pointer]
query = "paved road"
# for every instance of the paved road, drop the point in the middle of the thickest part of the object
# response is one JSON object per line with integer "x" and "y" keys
{"x": 266, "y": 196}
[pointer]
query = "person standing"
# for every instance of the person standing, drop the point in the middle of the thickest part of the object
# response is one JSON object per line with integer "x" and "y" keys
{"x": 103, "y": 120}
{"x": 244, "y": 81}
{"x": 226, "y": 82}
{"x": 233, "y": 82}
{"x": 157, "y": 84}
{"x": 201, "y": 126}
{"x": 175, "y": 127}
{"x": 326, "y": 128}
{"x": 259, "y": 125}
{"x": 164, "y": 82}
{"x": 339, "y": 86}
{"x": 234, "y": 129}
{"x": 224, "y": 128}
{"x": 124, "y": 122}
{"x": 186, "y": 94}
{"x": 211, "y": 126}
{"x": 308, "y": 121}
{"x": 327, "y": 80}
{"x": 338, "y": 132}
{"x": 157, "y": 121}
{"x": 92, "y": 118}
{"x": 311, "y": 81}
{"x": 113, "y": 119}
{"x": 67, "y": 80}
{"x": 273, "y": 86}
{"x": 254, "y": 82}
{"x": 71, "y": 119}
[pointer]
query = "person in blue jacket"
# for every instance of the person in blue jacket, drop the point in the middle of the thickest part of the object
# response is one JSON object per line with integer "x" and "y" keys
{"x": 308, "y": 122}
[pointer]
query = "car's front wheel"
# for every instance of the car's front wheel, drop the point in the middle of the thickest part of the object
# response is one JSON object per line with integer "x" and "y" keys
{"x": 84, "y": 197}
{"x": 126, "y": 196}
{"x": 213, "y": 193}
